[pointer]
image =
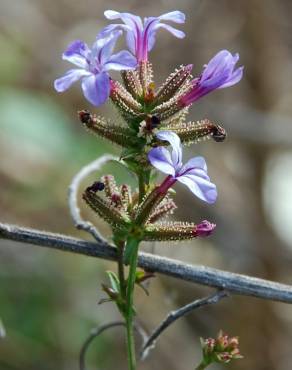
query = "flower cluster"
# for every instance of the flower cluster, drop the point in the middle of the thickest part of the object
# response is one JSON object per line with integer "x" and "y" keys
{"x": 151, "y": 133}
{"x": 153, "y": 120}
{"x": 223, "y": 349}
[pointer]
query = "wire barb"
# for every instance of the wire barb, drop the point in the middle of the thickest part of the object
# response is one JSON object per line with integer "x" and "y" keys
{"x": 97, "y": 331}
{"x": 177, "y": 314}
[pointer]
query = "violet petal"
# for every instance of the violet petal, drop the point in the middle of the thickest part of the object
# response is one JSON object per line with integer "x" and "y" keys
{"x": 63, "y": 83}
{"x": 77, "y": 53}
{"x": 175, "y": 142}
{"x": 121, "y": 61}
{"x": 160, "y": 159}
{"x": 201, "y": 187}
{"x": 96, "y": 88}
{"x": 175, "y": 16}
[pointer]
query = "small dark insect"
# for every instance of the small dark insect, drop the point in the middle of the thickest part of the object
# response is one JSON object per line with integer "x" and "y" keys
{"x": 155, "y": 121}
{"x": 96, "y": 186}
{"x": 219, "y": 133}
{"x": 84, "y": 116}
{"x": 152, "y": 122}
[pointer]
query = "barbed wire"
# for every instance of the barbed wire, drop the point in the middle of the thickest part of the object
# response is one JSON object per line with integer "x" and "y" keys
{"x": 232, "y": 282}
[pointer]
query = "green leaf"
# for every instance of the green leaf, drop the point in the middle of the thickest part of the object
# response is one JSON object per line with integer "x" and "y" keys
{"x": 139, "y": 275}
{"x": 142, "y": 276}
{"x": 128, "y": 153}
{"x": 114, "y": 280}
{"x": 2, "y": 330}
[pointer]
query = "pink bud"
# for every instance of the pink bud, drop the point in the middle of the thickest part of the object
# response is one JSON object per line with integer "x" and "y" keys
{"x": 205, "y": 228}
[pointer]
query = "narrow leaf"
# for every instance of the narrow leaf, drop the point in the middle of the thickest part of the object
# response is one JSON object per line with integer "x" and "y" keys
{"x": 114, "y": 280}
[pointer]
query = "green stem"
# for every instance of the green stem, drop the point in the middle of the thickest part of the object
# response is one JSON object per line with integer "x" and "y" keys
{"x": 143, "y": 180}
{"x": 130, "y": 309}
{"x": 121, "y": 270}
{"x": 200, "y": 367}
{"x": 130, "y": 344}
{"x": 203, "y": 365}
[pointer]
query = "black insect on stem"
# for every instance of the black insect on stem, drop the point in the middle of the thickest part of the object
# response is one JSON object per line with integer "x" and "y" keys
{"x": 152, "y": 122}
{"x": 85, "y": 116}
{"x": 96, "y": 186}
{"x": 219, "y": 133}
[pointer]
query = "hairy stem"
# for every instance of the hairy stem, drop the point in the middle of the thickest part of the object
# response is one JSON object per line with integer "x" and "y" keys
{"x": 143, "y": 180}
{"x": 130, "y": 309}
{"x": 121, "y": 269}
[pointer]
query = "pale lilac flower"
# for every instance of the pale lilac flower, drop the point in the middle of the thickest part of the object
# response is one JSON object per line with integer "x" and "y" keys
{"x": 94, "y": 65}
{"x": 141, "y": 34}
{"x": 219, "y": 73}
{"x": 193, "y": 174}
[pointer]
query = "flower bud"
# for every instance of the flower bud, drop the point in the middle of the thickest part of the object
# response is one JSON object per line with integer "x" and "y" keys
{"x": 208, "y": 345}
{"x": 173, "y": 84}
{"x": 193, "y": 132}
{"x": 132, "y": 82}
{"x": 101, "y": 127}
{"x": 146, "y": 76}
{"x": 205, "y": 228}
{"x": 223, "y": 349}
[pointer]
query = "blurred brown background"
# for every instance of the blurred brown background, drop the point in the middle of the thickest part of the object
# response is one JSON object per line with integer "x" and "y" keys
{"x": 48, "y": 299}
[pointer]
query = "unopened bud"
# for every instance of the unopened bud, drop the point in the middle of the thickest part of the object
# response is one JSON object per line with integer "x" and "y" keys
{"x": 222, "y": 342}
{"x": 193, "y": 132}
{"x": 233, "y": 342}
{"x": 128, "y": 106}
{"x": 224, "y": 357}
{"x": 223, "y": 349}
{"x": 173, "y": 84}
{"x": 100, "y": 126}
{"x": 208, "y": 345}
{"x": 205, "y": 228}
{"x": 110, "y": 292}
{"x": 132, "y": 83}
{"x": 145, "y": 75}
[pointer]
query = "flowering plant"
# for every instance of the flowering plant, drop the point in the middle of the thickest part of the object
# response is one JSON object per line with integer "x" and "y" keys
{"x": 154, "y": 121}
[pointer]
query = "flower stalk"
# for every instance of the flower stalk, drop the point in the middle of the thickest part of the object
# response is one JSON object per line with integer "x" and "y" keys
{"x": 133, "y": 243}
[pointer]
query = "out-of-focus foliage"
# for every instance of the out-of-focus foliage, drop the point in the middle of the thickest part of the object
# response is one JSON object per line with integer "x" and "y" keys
{"x": 48, "y": 299}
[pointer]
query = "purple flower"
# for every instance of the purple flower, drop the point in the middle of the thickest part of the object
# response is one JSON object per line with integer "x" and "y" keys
{"x": 141, "y": 35}
{"x": 94, "y": 65}
{"x": 193, "y": 174}
{"x": 219, "y": 73}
